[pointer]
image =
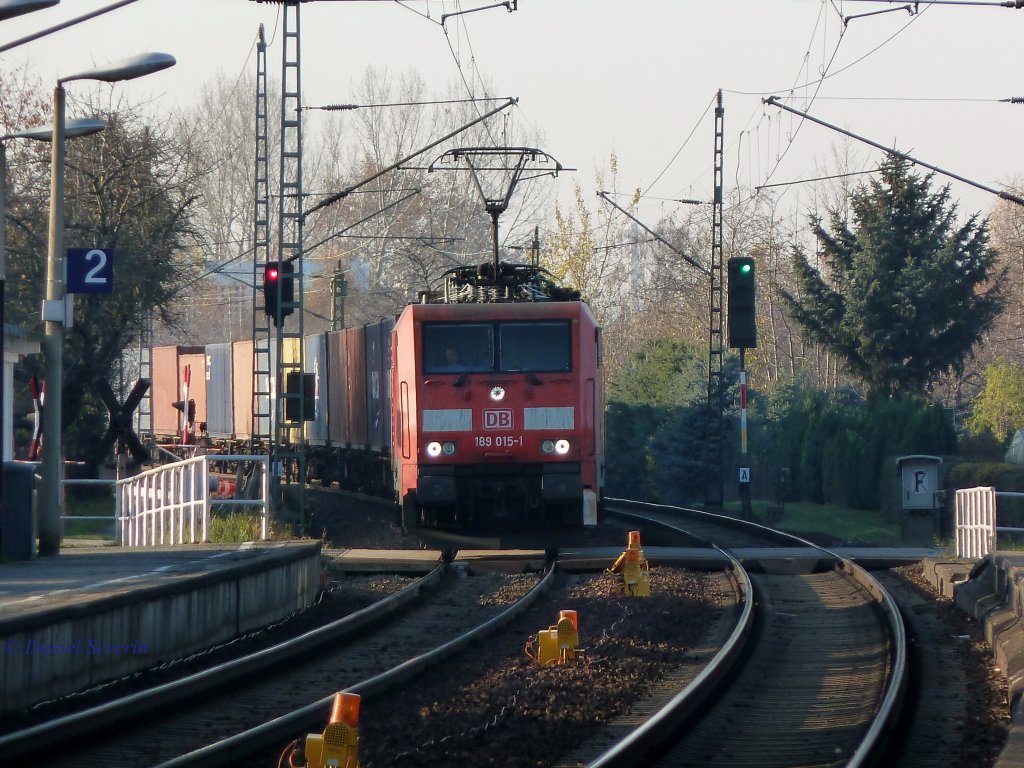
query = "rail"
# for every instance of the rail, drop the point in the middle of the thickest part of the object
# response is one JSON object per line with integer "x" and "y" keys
{"x": 976, "y": 526}
{"x": 171, "y": 504}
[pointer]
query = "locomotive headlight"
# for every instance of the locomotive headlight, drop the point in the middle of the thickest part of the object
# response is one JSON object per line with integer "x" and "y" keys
{"x": 562, "y": 447}
{"x": 547, "y": 446}
{"x": 448, "y": 449}
{"x": 434, "y": 450}
{"x": 497, "y": 393}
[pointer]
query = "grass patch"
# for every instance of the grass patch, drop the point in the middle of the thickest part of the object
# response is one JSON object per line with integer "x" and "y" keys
{"x": 841, "y": 524}
{"x": 226, "y": 527}
{"x": 854, "y": 526}
{"x": 92, "y": 504}
{"x": 234, "y": 527}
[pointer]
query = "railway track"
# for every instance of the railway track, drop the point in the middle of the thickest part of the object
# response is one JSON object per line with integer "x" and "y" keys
{"x": 176, "y": 724}
{"x": 818, "y": 681}
{"x": 807, "y": 670}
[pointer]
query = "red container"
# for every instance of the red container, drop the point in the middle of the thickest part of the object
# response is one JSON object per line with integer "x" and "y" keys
{"x": 168, "y": 387}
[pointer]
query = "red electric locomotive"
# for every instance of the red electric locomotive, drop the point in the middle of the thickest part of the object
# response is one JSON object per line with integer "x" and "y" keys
{"x": 498, "y": 405}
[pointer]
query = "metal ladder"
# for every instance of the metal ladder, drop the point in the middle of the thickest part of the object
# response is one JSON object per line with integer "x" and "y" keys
{"x": 714, "y": 492}
{"x": 262, "y": 425}
{"x": 288, "y": 458}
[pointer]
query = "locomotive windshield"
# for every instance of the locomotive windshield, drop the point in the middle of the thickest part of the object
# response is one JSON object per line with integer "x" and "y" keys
{"x": 458, "y": 348}
{"x": 534, "y": 347}
{"x": 543, "y": 347}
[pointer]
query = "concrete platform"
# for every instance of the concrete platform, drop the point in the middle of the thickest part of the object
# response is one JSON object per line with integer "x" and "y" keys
{"x": 92, "y": 614}
{"x": 754, "y": 558}
{"x": 381, "y": 560}
{"x": 991, "y": 591}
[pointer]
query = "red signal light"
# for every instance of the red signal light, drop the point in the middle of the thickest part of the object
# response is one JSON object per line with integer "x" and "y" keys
{"x": 278, "y": 290}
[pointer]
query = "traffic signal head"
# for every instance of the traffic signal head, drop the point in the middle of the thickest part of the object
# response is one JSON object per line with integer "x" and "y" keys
{"x": 278, "y": 290}
{"x": 742, "y": 315}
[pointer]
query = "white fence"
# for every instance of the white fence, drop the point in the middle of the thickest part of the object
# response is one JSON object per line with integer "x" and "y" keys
{"x": 171, "y": 504}
{"x": 976, "y": 527}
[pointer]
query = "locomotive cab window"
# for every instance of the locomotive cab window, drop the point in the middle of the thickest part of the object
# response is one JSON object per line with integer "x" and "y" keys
{"x": 458, "y": 348}
{"x": 535, "y": 347}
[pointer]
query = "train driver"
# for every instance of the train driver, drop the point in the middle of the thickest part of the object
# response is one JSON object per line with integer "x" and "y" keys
{"x": 451, "y": 364}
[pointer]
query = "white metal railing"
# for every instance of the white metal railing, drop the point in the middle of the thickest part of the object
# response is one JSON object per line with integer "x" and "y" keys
{"x": 171, "y": 503}
{"x": 976, "y": 527}
{"x": 87, "y": 481}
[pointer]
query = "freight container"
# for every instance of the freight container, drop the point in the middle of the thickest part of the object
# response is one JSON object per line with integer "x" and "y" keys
{"x": 316, "y": 364}
{"x": 241, "y": 398}
{"x": 169, "y": 365}
{"x": 378, "y": 384}
{"x": 337, "y": 400}
{"x": 355, "y": 383}
{"x": 219, "y": 421}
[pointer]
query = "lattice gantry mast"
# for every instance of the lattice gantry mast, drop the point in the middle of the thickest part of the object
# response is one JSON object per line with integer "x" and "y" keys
{"x": 262, "y": 427}
{"x": 143, "y": 416}
{"x": 714, "y": 494}
{"x": 288, "y": 455}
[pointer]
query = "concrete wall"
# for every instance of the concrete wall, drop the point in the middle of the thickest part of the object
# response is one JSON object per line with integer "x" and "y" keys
{"x": 994, "y": 596}
{"x": 52, "y": 653}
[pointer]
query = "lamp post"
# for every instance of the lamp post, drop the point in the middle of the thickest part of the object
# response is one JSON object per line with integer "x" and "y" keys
{"x": 50, "y": 495}
{"x": 8, "y": 10}
{"x": 11, "y": 8}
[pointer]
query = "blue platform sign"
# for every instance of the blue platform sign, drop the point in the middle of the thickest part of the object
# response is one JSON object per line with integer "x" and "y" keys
{"x": 89, "y": 270}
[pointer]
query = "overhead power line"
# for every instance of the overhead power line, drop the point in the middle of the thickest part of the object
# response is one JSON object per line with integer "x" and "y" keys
{"x": 685, "y": 256}
{"x": 995, "y": 3}
{"x": 817, "y": 178}
{"x": 349, "y": 190}
{"x": 773, "y": 101}
{"x": 347, "y": 107}
{"x": 64, "y": 25}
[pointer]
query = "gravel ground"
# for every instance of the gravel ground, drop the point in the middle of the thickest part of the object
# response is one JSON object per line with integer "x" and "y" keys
{"x": 967, "y": 691}
{"x": 497, "y": 707}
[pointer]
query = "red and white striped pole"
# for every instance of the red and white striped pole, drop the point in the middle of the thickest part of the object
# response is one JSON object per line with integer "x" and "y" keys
{"x": 747, "y": 513}
{"x": 184, "y": 401}
{"x": 743, "y": 417}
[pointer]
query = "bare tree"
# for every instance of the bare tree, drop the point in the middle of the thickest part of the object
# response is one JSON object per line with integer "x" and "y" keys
{"x": 129, "y": 190}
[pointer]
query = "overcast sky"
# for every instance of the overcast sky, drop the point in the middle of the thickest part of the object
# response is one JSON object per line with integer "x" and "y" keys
{"x": 631, "y": 77}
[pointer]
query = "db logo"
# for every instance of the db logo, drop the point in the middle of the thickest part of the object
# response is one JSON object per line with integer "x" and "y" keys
{"x": 498, "y": 418}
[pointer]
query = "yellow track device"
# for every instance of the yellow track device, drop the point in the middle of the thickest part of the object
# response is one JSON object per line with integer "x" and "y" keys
{"x": 338, "y": 745}
{"x": 558, "y": 644}
{"x": 632, "y": 564}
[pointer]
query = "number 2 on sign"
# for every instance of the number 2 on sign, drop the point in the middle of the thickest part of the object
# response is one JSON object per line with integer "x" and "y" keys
{"x": 93, "y": 276}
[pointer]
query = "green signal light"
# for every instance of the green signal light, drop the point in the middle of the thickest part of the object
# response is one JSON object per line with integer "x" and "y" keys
{"x": 745, "y": 268}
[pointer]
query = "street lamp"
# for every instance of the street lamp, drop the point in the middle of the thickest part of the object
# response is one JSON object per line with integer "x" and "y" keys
{"x": 50, "y": 496}
{"x": 11, "y": 8}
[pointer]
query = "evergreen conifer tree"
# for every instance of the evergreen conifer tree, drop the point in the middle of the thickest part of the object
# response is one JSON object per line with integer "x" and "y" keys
{"x": 903, "y": 293}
